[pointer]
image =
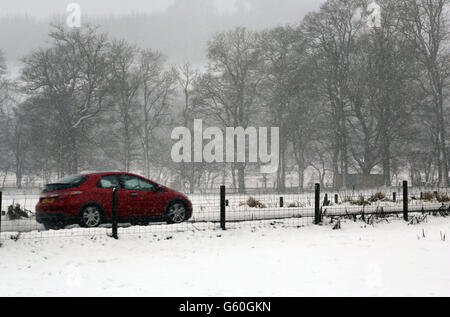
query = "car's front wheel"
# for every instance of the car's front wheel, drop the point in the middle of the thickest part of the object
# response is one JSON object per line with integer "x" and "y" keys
{"x": 91, "y": 216}
{"x": 176, "y": 212}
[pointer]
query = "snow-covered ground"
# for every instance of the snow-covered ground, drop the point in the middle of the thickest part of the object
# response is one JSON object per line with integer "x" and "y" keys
{"x": 388, "y": 259}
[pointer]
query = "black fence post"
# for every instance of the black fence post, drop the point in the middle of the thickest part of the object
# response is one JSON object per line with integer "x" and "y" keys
{"x": 326, "y": 202}
{"x": 115, "y": 217}
{"x": 336, "y": 199}
{"x": 317, "y": 215}
{"x": 222, "y": 208}
{"x": 281, "y": 202}
{"x": 405, "y": 201}
{"x": 394, "y": 197}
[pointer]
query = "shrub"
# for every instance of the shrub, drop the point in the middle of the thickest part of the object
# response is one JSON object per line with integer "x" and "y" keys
{"x": 377, "y": 197}
{"x": 15, "y": 212}
{"x": 442, "y": 198}
{"x": 361, "y": 201}
{"x": 418, "y": 219}
{"x": 346, "y": 197}
{"x": 427, "y": 196}
{"x": 253, "y": 203}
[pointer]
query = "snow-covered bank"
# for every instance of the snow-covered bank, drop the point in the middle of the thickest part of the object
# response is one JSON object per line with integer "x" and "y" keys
{"x": 385, "y": 260}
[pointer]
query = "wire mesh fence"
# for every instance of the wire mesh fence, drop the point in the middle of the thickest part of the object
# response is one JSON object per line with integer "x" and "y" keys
{"x": 380, "y": 204}
{"x": 137, "y": 213}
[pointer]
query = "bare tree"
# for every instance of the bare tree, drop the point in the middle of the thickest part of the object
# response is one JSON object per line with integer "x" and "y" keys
{"x": 154, "y": 101}
{"x": 125, "y": 83}
{"x": 332, "y": 34}
{"x": 3, "y": 79}
{"x": 73, "y": 76}
{"x": 426, "y": 25}
{"x": 280, "y": 73}
{"x": 381, "y": 93}
{"x": 14, "y": 141}
{"x": 187, "y": 77}
{"x": 5, "y": 117}
{"x": 346, "y": 96}
{"x": 227, "y": 94}
{"x": 18, "y": 141}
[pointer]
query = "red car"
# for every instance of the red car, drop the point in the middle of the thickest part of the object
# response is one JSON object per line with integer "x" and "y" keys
{"x": 87, "y": 200}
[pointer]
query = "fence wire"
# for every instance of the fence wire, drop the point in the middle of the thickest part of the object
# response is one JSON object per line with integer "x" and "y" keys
{"x": 253, "y": 209}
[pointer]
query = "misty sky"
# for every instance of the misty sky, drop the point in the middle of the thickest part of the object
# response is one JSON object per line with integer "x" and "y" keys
{"x": 179, "y": 29}
{"x": 45, "y": 8}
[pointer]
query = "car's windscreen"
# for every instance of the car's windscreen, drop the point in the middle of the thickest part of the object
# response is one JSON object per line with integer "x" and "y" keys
{"x": 67, "y": 182}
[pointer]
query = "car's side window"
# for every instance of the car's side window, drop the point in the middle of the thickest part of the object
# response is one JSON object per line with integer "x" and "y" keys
{"x": 130, "y": 182}
{"x": 110, "y": 181}
{"x": 147, "y": 185}
{"x": 136, "y": 183}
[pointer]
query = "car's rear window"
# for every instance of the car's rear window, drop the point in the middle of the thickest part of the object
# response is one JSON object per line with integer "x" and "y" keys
{"x": 67, "y": 182}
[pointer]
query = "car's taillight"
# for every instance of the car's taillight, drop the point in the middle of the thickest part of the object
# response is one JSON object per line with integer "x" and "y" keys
{"x": 61, "y": 195}
{"x": 69, "y": 194}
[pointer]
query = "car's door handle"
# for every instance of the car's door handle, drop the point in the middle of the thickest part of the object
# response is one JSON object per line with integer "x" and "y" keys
{"x": 134, "y": 194}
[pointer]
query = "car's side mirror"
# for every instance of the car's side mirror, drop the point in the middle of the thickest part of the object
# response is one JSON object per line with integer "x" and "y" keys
{"x": 160, "y": 189}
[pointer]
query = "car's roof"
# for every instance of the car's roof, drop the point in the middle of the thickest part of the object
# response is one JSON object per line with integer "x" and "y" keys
{"x": 100, "y": 174}
{"x": 109, "y": 173}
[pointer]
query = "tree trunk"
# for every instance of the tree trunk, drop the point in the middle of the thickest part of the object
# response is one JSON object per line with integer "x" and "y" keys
{"x": 336, "y": 183}
{"x": 19, "y": 177}
{"x": 241, "y": 178}
{"x": 344, "y": 155}
{"x": 442, "y": 150}
{"x": 301, "y": 178}
{"x": 75, "y": 155}
{"x": 233, "y": 175}
{"x": 386, "y": 153}
{"x": 281, "y": 174}
{"x": 192, "y": 179}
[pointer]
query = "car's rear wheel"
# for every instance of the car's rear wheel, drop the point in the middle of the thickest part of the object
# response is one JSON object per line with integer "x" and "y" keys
{"x": 91, "y": 216}
{"x": 176, "y": 212}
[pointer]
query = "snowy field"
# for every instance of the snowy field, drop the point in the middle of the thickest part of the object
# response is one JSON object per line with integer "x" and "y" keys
{"x": 394, "y": 259}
